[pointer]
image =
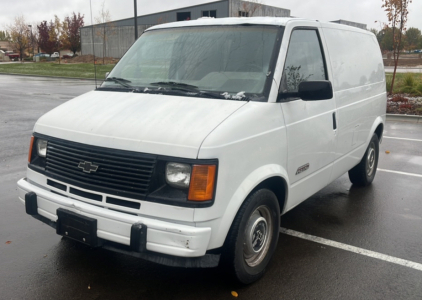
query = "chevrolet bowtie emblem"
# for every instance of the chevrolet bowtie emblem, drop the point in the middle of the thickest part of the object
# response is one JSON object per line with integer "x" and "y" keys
{"x": 87, "y": 167}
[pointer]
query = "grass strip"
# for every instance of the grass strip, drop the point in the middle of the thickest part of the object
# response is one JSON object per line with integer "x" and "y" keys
{"x": 81, "y": 70}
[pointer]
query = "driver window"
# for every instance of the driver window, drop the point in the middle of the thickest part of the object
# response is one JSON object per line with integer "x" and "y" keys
{"x": 304, "y": 61}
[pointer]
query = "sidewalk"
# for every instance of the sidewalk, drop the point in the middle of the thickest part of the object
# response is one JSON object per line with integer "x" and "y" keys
{"x": 417, "y": 69}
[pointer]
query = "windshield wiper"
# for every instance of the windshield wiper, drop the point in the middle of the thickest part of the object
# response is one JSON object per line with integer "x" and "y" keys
{"x": 121, "y": 81}
{"x": 178, "y": 85}
{"x": 194, "y": 91}
{"x": 188, "y": 88}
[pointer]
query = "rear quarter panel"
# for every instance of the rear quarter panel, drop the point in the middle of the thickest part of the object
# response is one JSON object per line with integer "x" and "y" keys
{"x": 359, "y": 89}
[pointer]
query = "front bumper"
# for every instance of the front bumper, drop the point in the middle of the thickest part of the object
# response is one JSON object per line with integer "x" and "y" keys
{"x": 169, "y": 239}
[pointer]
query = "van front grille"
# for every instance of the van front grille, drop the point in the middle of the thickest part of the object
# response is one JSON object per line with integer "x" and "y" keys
{"x": 116, "y": 172}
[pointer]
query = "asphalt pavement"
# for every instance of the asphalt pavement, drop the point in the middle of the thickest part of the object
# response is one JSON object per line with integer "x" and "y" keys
{"x": 342, "y": 243}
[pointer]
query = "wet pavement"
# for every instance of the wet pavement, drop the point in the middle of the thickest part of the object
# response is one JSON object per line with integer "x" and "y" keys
{"x": 385, "y": 217}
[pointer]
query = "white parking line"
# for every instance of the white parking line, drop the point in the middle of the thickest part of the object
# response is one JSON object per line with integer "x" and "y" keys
{"x": 404, "y": 139}
{"x": 361, "y": 251}
{"x": 401, "y": 173}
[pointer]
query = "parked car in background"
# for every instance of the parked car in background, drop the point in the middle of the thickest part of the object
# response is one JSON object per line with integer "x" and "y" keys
{"x": 417, "y": 51}
{"x": 12, "y": 55}
{"x": 42, "y": 55}
{"x": 55, "y": 54}
{"x": 67, "y": 55}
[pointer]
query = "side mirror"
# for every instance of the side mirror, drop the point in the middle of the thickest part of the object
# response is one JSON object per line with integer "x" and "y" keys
{"x": 106, "y": 74}
{"x": 315, "y": 90}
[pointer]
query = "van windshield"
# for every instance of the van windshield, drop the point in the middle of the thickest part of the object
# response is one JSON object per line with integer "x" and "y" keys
{"x": 229, "y": 62}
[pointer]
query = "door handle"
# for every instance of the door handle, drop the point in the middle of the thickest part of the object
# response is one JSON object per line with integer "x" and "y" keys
{"x": 334, "y": 121}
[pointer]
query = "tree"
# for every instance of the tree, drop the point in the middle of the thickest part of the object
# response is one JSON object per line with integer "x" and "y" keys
{"x": 44, "y": 41}
{"x": 55, "y": 33}
{"x": 50, "y": 35}
{"x": 250, "y": 7}
{"x": 19, "y": 35}
{"x": 387, "y": 40}
{"x": 64, "y": 35}
{"x": 413, "y": 38}
{"x": 104, "y": 27}
{"x": 71, "y": 32}
{"x": 374, "y": 31}
{"x": 397, "y": 12}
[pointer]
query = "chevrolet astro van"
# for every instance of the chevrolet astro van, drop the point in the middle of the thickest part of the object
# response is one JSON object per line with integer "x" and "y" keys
{"x": 204, "y": 134}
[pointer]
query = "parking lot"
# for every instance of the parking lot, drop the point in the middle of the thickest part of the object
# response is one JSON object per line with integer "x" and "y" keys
{"x": 342, "y": 243}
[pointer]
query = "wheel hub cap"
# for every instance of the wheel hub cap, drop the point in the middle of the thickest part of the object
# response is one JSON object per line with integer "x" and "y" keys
{"x": 257, "y": 236}
{"x": 370, "y": 160}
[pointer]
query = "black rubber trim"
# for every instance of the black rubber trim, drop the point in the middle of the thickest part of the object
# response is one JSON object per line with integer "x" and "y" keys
{"x": 84, "y": 194}
{"x": 209, "y": 260}
{"x": 56, "y": 185}
{"x": 45, "y": 221}
{"x": 31, "y": 205}
{"x": 138, "y": 237}
{"x": 124, "y": 203}
{"x": 334, "y": 121}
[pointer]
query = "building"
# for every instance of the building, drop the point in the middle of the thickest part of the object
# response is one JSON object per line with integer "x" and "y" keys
{"x": 5, "y": 46}
{"x": 114, "y": 38}
{"x": 350, "y": 23}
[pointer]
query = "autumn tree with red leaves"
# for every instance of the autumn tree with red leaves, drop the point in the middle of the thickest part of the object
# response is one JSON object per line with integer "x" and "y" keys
{"x": 397, "y": 12}
{"x": 72, "y": 33}
{"x": 44, "y": 41}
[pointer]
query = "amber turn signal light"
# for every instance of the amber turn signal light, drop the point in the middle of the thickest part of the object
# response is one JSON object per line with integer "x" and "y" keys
{"x": 202, "y": 183}
{"x": 31, "y": 143}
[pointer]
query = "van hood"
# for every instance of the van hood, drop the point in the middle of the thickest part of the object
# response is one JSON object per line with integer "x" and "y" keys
{"x": 148, "y": 123}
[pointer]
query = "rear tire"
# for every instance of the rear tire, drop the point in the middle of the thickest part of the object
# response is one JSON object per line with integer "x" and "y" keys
{"x": 253, "y": 237}
{"x": 364, "y": 173}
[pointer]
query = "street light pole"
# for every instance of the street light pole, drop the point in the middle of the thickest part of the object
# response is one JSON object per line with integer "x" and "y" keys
{"x": 136, "y": 19}
{"x": 32, "y": 41}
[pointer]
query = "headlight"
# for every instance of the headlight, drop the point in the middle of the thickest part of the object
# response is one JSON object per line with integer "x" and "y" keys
{"x": 178, "y": 175}
{"x": 41, "y": 147}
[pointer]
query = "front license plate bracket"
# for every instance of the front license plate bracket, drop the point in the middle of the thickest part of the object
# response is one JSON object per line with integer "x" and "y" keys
{"x": 77, "y": 227}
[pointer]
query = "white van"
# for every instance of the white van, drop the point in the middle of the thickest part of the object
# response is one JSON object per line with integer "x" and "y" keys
{"x": 204, "y": 134}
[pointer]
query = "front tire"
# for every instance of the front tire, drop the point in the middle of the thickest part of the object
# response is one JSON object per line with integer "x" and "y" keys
{"x": 364, "y": 173}
{"x": 253, "y": 237}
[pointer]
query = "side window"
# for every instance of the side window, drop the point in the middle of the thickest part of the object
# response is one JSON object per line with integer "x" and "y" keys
{"x": 183, "y": 16}
{"x": 304, "y": 60}
{"x": 209, "y": 13}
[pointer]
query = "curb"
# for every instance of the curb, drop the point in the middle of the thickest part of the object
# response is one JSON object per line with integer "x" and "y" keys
{"x": 404, "y": 118}
{"x": 45, "y": 76}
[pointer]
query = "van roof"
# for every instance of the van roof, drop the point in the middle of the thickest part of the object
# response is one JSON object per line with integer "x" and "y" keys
{"x": 227, "y": 21}
{"x": 251, "y": 21}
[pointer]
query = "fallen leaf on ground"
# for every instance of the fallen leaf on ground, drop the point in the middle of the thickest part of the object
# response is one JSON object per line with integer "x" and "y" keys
{"x": 388, "y": 152}
{"x": 8, "y": 242}
{"x": 234, "y": 294}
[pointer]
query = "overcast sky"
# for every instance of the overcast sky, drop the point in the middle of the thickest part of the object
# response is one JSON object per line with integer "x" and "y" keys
{"x": 362, "y": 11}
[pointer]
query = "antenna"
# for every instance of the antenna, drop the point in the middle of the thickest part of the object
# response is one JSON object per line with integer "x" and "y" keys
{"x": 93, "y": 48}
